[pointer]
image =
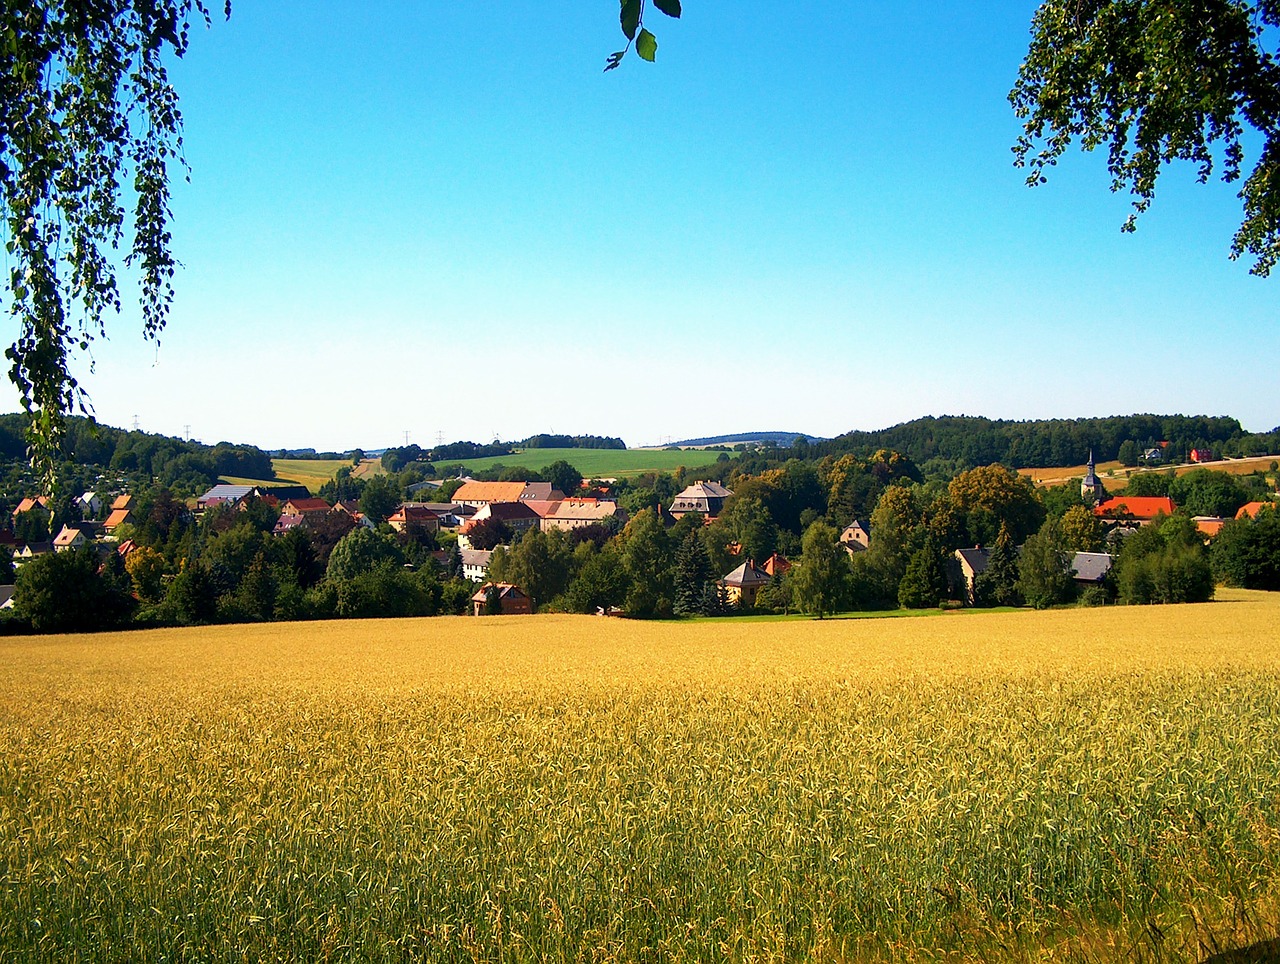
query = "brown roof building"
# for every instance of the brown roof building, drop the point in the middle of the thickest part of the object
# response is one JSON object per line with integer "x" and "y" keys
{"x": 511, "y": 600}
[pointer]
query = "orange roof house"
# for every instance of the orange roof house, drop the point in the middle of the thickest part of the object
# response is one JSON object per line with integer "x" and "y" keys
{"x": 1142, "y": 508}
{"x": 482, "y": 493}
{"x": 122, "y": 502}
{"x": 118, "y": 517}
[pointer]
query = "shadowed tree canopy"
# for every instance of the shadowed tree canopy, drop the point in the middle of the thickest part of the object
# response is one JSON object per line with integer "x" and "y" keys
{"x": 1158, "y": 81}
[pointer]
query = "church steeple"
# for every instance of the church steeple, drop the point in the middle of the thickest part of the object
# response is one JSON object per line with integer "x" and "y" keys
{"x": 1091, "y": 486}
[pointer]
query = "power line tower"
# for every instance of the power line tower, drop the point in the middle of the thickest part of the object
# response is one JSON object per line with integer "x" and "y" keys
{"x": 406, "y": 438}
{"x": 135, "y": 422}
{"x": 439, "y": 438}
{"x": 186, "y": 430}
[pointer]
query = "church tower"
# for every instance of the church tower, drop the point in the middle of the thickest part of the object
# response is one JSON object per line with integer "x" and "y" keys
{"x": 1091, "y": 486}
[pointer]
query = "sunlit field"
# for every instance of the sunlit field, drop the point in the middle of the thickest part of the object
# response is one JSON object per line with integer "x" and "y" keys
{"x": 1092, "y": 785}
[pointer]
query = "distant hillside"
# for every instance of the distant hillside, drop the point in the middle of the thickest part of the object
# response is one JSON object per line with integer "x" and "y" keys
{"x": 778, "y": 438}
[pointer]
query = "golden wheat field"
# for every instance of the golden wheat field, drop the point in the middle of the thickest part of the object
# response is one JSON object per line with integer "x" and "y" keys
{"x": 1088, "y": 785}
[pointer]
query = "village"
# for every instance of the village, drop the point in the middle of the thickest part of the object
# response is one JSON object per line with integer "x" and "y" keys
{"x": 461, "y": 534}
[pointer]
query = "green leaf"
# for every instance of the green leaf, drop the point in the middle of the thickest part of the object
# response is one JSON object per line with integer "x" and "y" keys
{"x": 630, "y": 18}
{"x": 647, "y": 45}
{"x": 670, "y": 7}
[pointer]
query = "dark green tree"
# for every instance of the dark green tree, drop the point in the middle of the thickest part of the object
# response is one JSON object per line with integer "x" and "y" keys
{"x": 1159, "y": 82}
{"x": 1165, "y": 563}
{"x": 997, "y": 585}
{"x": 693, "y": 575}
{"x": 63, "y": 592}
{"x": 563, "y": 476}
{"x": 1044, "y": 568}
{"x": 648, "y": 560}
{"x": 1246, "y": 552}
{"x": 924, "y": 584}
{"x": 379, "y": 498}
{"x": 819, "y": 581}
{"x": 362, "y": 550}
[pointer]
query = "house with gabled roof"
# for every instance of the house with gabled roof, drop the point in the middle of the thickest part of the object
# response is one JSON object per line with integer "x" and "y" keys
{"x": 117, "y": 518}
{"x": 516, "y": 516}
{"x": 124, "y": 501}
{"x": 776, "y": 565}
{"x": 744, "y": 584}
{"x": 475, "y": 563}
{"x": 414, "y": 515}
{"x": 71, "y": 537}
{"x": 855, "y": 537}
{"x": 705, "y": 498}
{"x": 971, "y": 563}
{"x": 512, "y": 600}
{"x": 39, "y": 504}
{"x": 306, "y": 507}
{"x": 89, "y": 503}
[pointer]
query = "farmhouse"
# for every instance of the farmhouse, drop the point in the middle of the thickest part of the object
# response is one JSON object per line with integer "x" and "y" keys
{"x": 510, "y": 600}
{"x": 575, "y": 513}
{"x": 414, "y": 516}
{"x": 475, "y": 563}
{"x": 480, "y": 494}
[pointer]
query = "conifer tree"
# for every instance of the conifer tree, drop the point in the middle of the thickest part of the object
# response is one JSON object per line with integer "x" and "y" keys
{"x": 693, "y": 575}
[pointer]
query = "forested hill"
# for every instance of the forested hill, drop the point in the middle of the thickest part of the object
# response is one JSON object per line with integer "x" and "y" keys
{"x": 1055, "y": 442}
{"x": 186, "y": 466}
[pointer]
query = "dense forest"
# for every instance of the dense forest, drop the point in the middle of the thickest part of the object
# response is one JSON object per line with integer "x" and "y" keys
{"x": 969, "y": 441}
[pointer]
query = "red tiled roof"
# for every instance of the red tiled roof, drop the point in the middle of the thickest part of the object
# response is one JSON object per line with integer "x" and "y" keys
{"x": 1143, "y": 507}
{"x": 489, "y": 492}
{"x": 1209, "y": 526}
{"x": 118, "y": 517}
{"x": 1251, "y": 509}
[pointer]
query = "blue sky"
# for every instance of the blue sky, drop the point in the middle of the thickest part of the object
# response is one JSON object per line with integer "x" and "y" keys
{"x": 413, "y": 216}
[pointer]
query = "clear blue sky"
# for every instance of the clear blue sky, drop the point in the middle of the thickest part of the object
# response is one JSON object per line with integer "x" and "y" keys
{"x": 428, "y": 217}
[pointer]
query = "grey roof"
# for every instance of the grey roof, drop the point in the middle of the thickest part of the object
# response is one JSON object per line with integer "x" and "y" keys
{"x": 1091, "y": 566}
{"x": 6, "y": 594}
{"x": 541, "y": 492}
{"x": 710, "y": 490}
{"x": 476, "y": 557}
{"x": 975, "y": 558}
{"x": 746, "y": 575}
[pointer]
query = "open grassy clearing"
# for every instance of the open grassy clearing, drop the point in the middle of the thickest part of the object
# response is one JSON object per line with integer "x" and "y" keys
{"x": 600, "y": 463}
{"x": 1071, "y": 785}
{"x": 312, "y": 473}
